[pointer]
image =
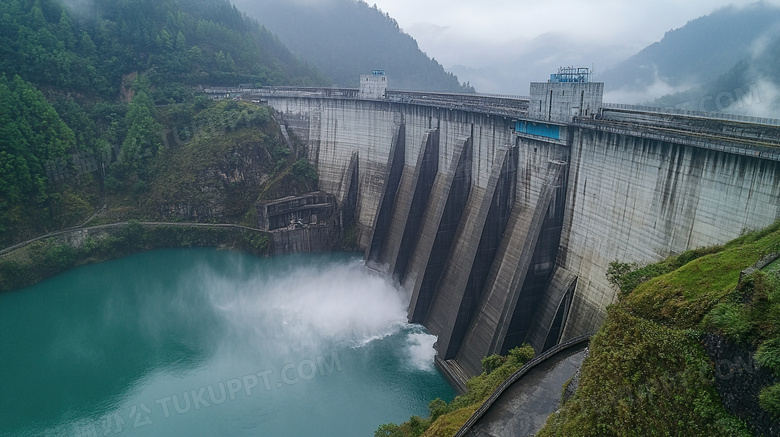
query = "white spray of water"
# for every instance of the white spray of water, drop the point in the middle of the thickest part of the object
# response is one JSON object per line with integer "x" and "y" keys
{"x": 421, "y": 351}
{"x": 309, "y": 308}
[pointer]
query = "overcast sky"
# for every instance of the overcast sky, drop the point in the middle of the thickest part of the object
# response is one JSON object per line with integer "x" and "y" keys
{"x": 470, "y": 34}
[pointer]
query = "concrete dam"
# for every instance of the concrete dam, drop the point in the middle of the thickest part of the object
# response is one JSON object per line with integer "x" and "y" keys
{"x": 500, "y": 215}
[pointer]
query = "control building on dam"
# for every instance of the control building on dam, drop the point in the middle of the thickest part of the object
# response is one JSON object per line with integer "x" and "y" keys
{"x": 500, "y": 215}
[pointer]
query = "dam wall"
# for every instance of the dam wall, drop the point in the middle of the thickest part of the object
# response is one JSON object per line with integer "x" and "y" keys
{"x": 335, "y": 129}
{"x": 639, "y": 199}
{"x": 502, "y": 228}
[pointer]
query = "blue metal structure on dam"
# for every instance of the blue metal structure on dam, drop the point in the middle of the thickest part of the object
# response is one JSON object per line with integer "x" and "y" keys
{"x": 500, "y": 214}
{"x": 571, "y": 75}
{"x": 538, "y": 129}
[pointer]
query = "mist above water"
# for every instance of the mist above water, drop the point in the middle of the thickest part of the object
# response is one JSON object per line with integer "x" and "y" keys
{"x": 310, "y": 305}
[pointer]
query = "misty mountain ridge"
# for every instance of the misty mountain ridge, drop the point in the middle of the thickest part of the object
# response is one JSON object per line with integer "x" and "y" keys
{"x": 531, "y": 61}
{"x": 720, "y": 62}
{"x": 347, "y": 38}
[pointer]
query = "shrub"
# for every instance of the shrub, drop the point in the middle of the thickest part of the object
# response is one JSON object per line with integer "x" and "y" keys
{"x": 491, "y": 363}
{"x": 113, "y": 184}
{"x": 768, "y": 355}
{"x": 522, "y": 354}
{"x": 749, "y": 314}
{"x": 417, "y": 426}
{"x": 617, "y": 272}
{"x": 388, "y": 430}
{"x": 140, "y": 187}
{"x": 303, "y": 169}
{"x": 257, "y": 243}
{"x": 60, "y": 256}
{"x": 436, "y": 408}
{"x": 728, "y": 319}
{"x": 769, "y": 399}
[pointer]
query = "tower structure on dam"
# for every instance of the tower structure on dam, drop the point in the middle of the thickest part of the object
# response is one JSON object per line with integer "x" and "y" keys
{"x": 373, "y": 86}
{"x": 569, "y": 93}
{"x": 499, "y": 216}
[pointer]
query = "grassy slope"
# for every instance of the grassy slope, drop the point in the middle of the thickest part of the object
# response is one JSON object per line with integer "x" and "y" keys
{"x": 648, "y": 373}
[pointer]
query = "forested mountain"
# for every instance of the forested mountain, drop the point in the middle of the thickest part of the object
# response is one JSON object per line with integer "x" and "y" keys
{"x": 347, "y": 38}
{"x": 750, "y": 87}
{"x": 724, "y": 53}
{"x": 90, "y": 92}
{"x": 701, "y": 50}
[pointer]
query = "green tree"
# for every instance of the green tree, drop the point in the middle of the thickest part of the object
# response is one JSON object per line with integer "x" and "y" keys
{"x": 87, "y": 45}
{"x": 65, "y": 30}
{"x": 492, "y": 362}
{"x": 164, "y": 40}
{"x": 389, "y": 430}
{"x": 181, "y": 41}
{"x": 143, "y": 134}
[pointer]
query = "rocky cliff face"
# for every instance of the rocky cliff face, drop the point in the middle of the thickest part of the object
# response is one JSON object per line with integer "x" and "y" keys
{"x": 218, "y": 176}
{"x": 225, "y": 189}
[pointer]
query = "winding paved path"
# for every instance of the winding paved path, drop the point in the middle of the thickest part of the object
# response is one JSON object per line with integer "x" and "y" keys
{"x": 520, "y": 405}
{"x": 523, "y": 408}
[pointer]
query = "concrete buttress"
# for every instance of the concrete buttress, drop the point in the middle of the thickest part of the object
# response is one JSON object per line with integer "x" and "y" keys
{"x": 489, "y": 327}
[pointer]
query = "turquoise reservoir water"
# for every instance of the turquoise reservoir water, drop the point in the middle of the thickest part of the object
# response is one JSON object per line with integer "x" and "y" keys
{"x": 201, "y": 342}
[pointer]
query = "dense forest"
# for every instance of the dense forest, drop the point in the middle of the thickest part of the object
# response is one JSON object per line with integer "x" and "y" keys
{"x": 347, "y": 38}
{"x": 91, "y": 93}
{"x": 88, "y": 50}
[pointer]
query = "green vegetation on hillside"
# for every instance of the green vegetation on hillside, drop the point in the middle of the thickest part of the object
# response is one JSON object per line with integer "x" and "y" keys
{"x": 236, "y": 157}
{"x": 34, "y": 140}
{"x": 446, "y": 419}
{"x": 648, "y": 372}
{"x": 97, "y": 102}
{"x": 751, "y": 317}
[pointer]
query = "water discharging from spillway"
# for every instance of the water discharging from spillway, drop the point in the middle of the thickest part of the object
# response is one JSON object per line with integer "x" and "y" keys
{"x": 204, "y": 342}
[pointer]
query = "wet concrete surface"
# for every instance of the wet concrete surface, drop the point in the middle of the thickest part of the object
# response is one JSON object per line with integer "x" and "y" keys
{"x": 523, "y": 408}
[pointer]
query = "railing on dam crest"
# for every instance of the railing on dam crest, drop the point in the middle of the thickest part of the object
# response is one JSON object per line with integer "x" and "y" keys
{"x": 701, "y": 114}
{"x": 495, "y": 104}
